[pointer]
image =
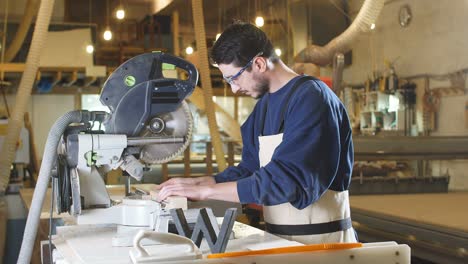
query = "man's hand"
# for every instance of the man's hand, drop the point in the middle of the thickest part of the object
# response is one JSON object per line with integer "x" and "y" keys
{"x": 207, "y": 180}
{"x": 198, "y": 188}
{"x": 192, "y": 192}
{"x": 175, "y": 181}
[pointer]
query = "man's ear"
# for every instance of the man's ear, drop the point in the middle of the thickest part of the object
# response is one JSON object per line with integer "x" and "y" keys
{"x": 260, "y": 64}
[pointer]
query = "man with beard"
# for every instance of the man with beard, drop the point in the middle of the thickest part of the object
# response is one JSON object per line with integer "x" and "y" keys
{"x": 297, "y": 157}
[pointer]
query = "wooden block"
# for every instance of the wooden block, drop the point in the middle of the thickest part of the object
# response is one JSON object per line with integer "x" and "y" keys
{"x": 172, "y": 201}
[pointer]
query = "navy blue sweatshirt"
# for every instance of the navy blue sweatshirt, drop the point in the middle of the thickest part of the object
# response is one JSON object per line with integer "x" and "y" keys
{"x": 316, "y": 153}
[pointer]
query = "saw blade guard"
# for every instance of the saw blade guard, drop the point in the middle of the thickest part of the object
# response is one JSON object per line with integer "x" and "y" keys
{"x": 144, "y": 103}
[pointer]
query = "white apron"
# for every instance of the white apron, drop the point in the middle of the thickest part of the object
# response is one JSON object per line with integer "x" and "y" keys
{"x": 317, "y": 219}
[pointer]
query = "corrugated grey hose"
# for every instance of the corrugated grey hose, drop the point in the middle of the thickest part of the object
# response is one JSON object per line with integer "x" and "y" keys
{"x": 322, "y": 56}
{"x": 49, "y": 157}
{"x": 22, "y": 31}
{"x": 8, "y": 149}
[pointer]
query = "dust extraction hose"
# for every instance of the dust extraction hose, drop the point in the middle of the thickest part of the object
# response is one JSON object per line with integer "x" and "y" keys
{"x": 322, "y": 56}
{"x": 200, "y": 37}
{"x": 24, "y": 91}
{"x": 17, "y": 42}
{"x": 48, "y": 159}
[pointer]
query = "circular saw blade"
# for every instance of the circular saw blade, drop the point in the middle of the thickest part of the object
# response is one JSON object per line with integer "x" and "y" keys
{"x": 178, "y": 123}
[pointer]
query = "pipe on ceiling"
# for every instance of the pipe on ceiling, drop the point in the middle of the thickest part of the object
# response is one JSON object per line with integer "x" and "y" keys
{"x": 15, "y": 45}
{"x": 323, "y": 56}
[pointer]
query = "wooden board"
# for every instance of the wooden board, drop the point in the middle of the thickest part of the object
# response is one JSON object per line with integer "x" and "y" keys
{"x": 446, "y": 210}
{"x": 32, "y": 146}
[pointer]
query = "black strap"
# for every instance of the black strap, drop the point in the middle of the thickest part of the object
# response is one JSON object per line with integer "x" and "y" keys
{"x": 297, "y": 84}
{"x": 264, "y": 111}
{"x": 309, "y": 229}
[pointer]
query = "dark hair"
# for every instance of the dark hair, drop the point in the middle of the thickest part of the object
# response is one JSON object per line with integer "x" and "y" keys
{"x": 239, "y": 43}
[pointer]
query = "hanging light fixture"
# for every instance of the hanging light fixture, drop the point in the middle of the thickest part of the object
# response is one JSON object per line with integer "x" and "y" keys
{"x": 259, "y": 21}
{"x": 189, "y": 50}
{"x": 220, "y": 15}
{"x": 278, "y": 52}
{"x": 90, "y": 47}
{"x": 107, "y": 33}
{"x": 120, "y": 13}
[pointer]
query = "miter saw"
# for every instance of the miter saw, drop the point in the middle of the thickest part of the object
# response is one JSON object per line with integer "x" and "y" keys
{"x": 149, "y": 123}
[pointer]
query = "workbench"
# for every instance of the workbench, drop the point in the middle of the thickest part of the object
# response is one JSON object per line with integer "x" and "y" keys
{"x": 78, "y": 241}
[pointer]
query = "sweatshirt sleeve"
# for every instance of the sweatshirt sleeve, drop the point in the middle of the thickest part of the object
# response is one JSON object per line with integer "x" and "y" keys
{"x": 249, "y": 162}
{"x": 304, "y": 165}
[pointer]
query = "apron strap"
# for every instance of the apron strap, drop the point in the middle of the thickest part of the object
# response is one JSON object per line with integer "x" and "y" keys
{"x": 264, "y": 112}
{"x": 309, "y": 229}
{"x": 297, "y": 84}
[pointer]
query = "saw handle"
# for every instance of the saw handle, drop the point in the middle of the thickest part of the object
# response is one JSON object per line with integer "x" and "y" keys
{"x": 183, "y": 64}
{"x": 163, "y": 238}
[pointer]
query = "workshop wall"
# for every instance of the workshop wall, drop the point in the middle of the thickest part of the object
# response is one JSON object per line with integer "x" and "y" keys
{"x": 44, "y": 110}
{"x": 434, "y": 42}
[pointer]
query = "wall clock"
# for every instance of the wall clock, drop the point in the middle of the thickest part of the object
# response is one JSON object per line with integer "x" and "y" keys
{"x": 404, "y": 16}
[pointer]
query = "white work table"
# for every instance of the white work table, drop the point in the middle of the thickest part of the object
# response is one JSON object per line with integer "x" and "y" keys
{"x": 93, "y": 244}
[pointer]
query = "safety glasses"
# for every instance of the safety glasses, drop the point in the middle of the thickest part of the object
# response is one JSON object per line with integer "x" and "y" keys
{"x": 230, "y": 79}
